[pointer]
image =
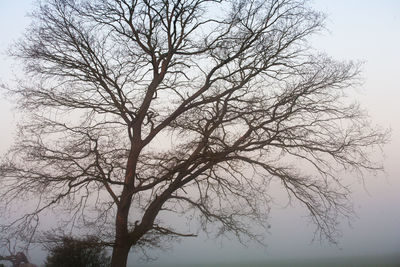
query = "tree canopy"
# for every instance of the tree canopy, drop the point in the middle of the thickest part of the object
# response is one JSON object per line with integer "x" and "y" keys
{"x": 139, "y": 111}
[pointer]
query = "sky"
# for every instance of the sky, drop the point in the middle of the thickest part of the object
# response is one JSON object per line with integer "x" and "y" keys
{"x": 368, "y": 31}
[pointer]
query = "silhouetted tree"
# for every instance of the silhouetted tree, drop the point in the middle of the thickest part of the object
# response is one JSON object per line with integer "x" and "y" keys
{"x": 17, "y": 260}
{"x": 134, "y": 109}
{"x": 72, "y": 252}
{"x": 9, "y": 252}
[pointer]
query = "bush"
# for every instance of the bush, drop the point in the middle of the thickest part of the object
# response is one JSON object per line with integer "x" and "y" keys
{"x": 73, "y": 252}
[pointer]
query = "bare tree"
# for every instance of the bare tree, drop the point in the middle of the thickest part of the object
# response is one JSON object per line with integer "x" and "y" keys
{"x": 136, "y": 109}
{"x": 17, "y": 259}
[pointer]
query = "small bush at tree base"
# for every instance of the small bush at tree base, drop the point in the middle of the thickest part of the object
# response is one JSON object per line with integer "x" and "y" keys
{"x": 73, "y": 252}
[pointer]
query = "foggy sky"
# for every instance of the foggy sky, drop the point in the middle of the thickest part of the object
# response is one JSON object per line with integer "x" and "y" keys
{"x": 367, "y": 31}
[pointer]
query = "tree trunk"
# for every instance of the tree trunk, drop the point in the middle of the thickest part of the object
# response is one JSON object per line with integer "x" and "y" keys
{"x": 122, "y": 245}
{"x": 120, "y": 256}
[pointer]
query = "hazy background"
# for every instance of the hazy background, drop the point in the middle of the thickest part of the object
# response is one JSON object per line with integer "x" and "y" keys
{"x": 361, "y": 30}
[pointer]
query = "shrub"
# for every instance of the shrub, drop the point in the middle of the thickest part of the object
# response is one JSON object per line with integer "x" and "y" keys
{"x": 72, "y": 252}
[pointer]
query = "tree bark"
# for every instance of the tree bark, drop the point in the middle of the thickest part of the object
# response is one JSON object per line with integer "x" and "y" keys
{"x": 120, "y": 256}
{"x": 122, "y": 245}
{"x": 122, "y": 242}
